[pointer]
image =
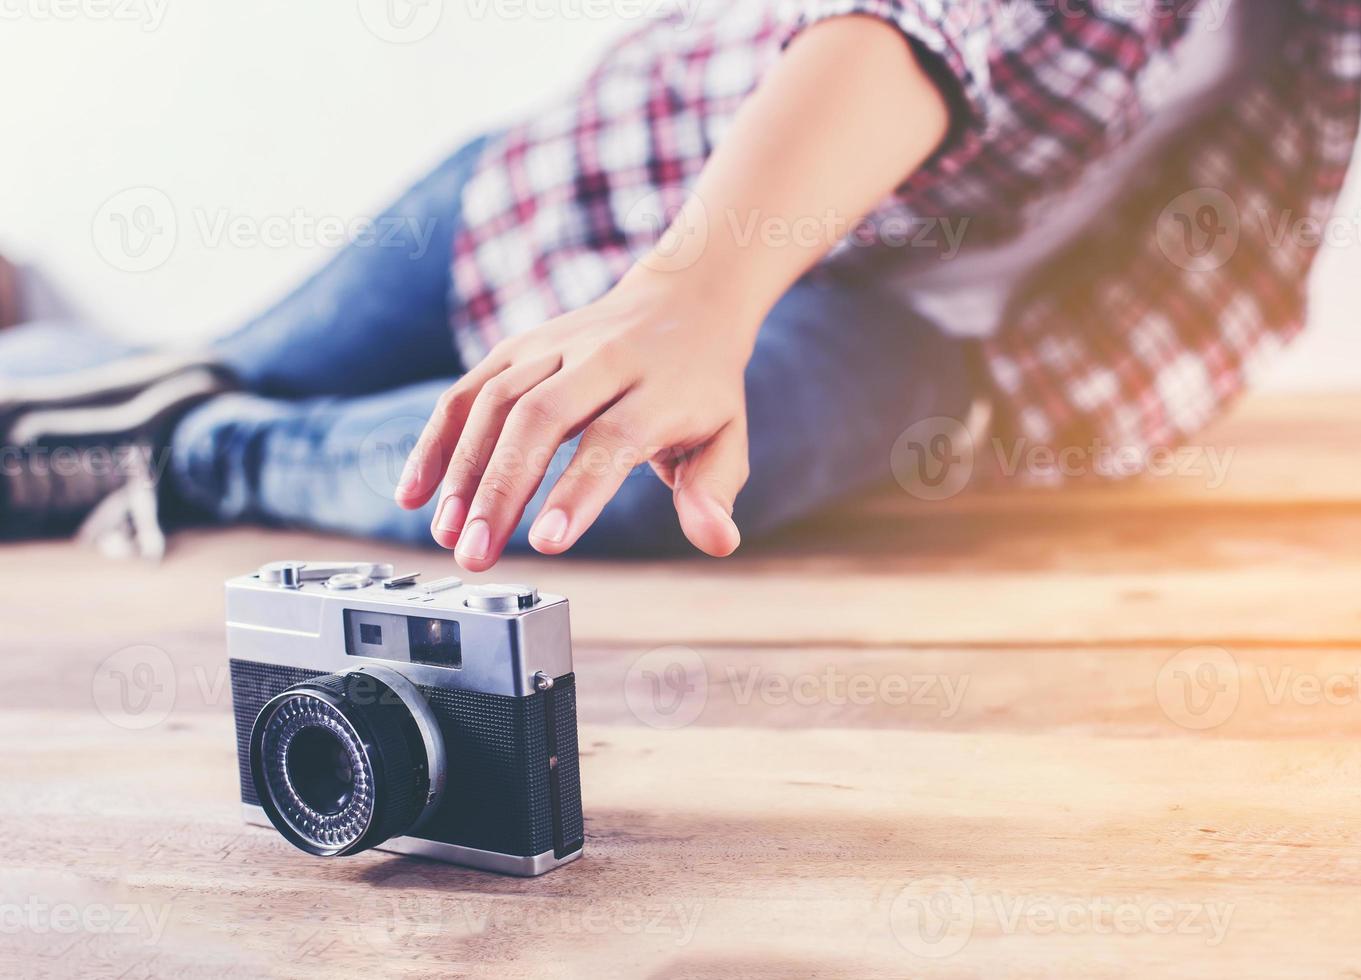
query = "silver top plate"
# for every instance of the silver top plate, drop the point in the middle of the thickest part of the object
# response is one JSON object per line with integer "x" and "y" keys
{"x": 293, "y": 614}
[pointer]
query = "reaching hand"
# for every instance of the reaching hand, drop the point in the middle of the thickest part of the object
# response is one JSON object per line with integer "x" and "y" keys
{"x": 643, "y": 375}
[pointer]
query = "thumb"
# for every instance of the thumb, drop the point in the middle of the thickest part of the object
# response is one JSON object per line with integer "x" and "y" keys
{"x": 706, "y": 487}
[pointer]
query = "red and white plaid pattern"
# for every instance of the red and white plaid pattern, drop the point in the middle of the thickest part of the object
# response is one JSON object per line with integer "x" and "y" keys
{"x": 1134, "y": 336}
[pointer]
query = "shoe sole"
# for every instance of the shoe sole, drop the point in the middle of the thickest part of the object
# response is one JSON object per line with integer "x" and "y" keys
{"x": 91, "y": 386}
{"x": 141, "y": 410}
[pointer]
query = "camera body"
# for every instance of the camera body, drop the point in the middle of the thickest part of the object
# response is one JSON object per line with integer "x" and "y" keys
{"x": 435, "y": 719}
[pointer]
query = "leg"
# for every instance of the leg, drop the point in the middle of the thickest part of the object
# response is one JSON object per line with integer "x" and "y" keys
{"x": 377, "y": 316}
{"x": 327, "y": 463}
{"x": 839, "y": 371}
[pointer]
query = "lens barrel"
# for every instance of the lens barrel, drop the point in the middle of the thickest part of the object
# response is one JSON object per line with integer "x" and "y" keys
{"x": 344, "y": 762}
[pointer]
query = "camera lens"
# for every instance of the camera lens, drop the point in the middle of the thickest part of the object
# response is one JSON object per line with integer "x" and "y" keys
{"x": 318, "y": 766}
{"x": 344, "y": 762}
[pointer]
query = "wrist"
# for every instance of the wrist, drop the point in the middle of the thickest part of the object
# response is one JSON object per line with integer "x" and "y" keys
{"x": 699, "y": 290}
{"x": 714, "y": 316}
{"x": 698, "y": 257}
{"x": 712, "y": 276}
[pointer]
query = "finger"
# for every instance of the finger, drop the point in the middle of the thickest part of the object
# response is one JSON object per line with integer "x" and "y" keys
{"x": 488, "y": 414}
{"x": 538, "y": 424}
{"x": 706, "y": 486}
{"x": 429, "y": 459}
{"x": 610, "y": 449}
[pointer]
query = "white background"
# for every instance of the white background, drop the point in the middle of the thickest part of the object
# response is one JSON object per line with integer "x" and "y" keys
{"x": 266, "y": 110}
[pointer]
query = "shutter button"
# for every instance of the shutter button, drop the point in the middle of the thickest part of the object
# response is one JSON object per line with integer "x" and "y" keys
{"x": 502, "y": 598}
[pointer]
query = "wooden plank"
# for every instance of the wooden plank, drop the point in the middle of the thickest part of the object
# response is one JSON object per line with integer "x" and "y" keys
{"x": 1148, "y": 693}
{"x": 714, "y": 850}
{"x": 1000, "y": 708}
{"x": 1279, "y": 451}
{"x": 1106, "y": 582}
{"x": 1153, "y": 692}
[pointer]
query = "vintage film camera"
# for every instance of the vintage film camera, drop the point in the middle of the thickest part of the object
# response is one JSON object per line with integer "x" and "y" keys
{"x": 435, "y": 719}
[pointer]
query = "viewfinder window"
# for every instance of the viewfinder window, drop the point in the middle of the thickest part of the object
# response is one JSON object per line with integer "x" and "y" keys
{"x": 435, "y": 642}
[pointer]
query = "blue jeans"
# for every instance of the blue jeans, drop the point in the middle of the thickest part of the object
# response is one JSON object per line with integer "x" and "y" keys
{"x": 342, "y": 374}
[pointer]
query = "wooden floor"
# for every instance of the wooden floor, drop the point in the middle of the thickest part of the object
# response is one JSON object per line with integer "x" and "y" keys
{"x": 1090, "y": 735}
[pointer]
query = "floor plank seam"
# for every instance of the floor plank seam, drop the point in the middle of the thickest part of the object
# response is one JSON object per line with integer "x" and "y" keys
{"x": 1031, "y": 646}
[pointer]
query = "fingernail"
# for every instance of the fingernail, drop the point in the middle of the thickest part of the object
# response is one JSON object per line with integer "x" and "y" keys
{"x": 451, "y": 514}
{"x": 550, "y": 527}
{"x": 475, "y": 541}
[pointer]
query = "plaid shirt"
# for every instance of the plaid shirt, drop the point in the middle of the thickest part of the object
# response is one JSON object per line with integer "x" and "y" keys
{"x": 1133, "y": 337}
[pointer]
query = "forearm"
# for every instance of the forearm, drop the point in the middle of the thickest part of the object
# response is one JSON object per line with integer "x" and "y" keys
{"x": 841, "y": 120}
{"x": 654, "y": 370}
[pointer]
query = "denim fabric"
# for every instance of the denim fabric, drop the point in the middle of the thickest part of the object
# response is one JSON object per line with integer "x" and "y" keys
{"x": 837, "y": 375}
{"x": 342, "y": 374}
